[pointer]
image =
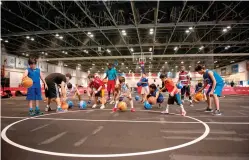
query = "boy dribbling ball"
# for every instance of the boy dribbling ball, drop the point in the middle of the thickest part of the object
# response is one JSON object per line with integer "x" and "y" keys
{"x": 155, "y": 92}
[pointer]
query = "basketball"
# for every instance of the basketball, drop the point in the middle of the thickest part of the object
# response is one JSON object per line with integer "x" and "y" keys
{"x": 122, "y": 106}
{"x": 82, "y": 105}
{"x": 139, "y": 84}
{"x": 64, "y": 105}
{"x": 137, "y": 98}
{"x": 27, "y": 82}
{"x": 152, "y": 100}
{"x": 179, "y": 86}
{"x": 199, "y": 96}
{"x": 147, "y": 105}
{"x": 70, "y": 104}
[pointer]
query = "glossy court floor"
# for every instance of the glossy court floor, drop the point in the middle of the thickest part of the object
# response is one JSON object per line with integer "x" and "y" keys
{"x": 143, "y": 135}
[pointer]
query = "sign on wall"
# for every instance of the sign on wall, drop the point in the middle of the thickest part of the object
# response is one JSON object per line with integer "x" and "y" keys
{"x": 21, "y": 63}
{"x": 223, "y": 71}
{"x": 235, "y": 68}
{"x": 10, "y": 61}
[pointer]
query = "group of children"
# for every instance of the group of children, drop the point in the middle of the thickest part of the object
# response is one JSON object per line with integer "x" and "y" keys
{"x": 58, "y": 88}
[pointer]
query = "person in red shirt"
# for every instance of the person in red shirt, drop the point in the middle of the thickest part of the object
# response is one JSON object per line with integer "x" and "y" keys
{"x": 174, "y": 94}
{"x": 184, "y": 79}
{"x": 96, "y": 88}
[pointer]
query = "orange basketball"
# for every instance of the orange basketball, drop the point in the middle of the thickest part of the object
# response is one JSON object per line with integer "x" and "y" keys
{"x": 27, "y": 82}
{"x": 199, "y": 96}
{"x": 64, "y": 105}
{"x": 122, "y": 106}
{"x": 152, "y": 100}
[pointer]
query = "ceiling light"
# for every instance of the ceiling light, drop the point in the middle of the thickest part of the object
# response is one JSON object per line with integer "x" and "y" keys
{"x": 187, "y": 31}
{"x": 228, "y": 27}
{"x": 182, "y": 62}
{"x": 126, "y": 67}
{"x": 151, "y": 30}
{"x": 176, "y": 66}
{"x": 124, "y": 34}
{"x": 166, "y": 62}
{"x": 108, "y": 50}
{"x": 227, "y": 47}
{"x": 201, "y": 48}
{"x": 93, "y": 64}
{"x": 27, "y": 37}
{"x": 0, "y": 3}
{"x": 139, "y": 67}
{"x": 89, "y": 33}
{"x": 224, "y": 30}
{"x": 231, "y": 61}
{"x": 63, "y": 51}
{"x": 123, "y": 31}
{"x": 1, "y": 39}
{"x": 42, "y": 52}
{"x": 98, "y": 71}
{"x": 6, "y": 41}
{"x": 107, "y": 63}
{"x": 46, "y": 54}
{"x": 172, "y": 69}
{"x": 149, "y": 62}
{"x": 150, "y": 49}
{"x": 189, "y": 66}
{"x": 190, "y": 28}
{"x": 27, "y": 55}
{"x": 215, "y": 61}
{"x": 132, "y": 49}
{"x": 47, "y": 60}
{"x": 122, "y": 63}
{"x": 79, "y": 64}
{"x": 198, "y": 62}
{"x": 176, "y": 48}
{"x": 90, "y": 68}
{"x": 61, "y": 37}
{"x": 23, "y": 53}
{"x": 65, "y": 64}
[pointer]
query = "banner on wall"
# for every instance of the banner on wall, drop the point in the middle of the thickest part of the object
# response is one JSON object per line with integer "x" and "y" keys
{"x": 223, "y": 71}
{"x": 21, "y": 63}
{"x": 235, "y": 68}
{"x": 10, "y": 61}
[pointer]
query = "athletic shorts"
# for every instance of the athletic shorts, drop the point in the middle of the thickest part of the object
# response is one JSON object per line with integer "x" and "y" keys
{"x": 100, "y": 93}
{"x": 217, "y": 90}
{"x": 110, "y": 85}
{"x": 145, "y": 90}
{"x": 52, "y": 91}
{"x": 176, "y": 98}
{"x": 34, "y": 94}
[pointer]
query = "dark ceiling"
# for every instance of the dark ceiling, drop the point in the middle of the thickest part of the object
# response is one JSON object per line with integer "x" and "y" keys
{"x": 106, "y": 20}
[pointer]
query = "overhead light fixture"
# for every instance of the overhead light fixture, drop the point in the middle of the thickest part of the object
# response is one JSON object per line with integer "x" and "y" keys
{"x": 61, "y": 37}
{"x": 93, "y": 64}
{"x": 65, "y": 65}
{"x": 123, "y": 31}
{"x": 231, "y": 61}
{"x": 79, "y": 64}
{"x": 124, "y": 34}
{"x": 149, "y": 62}
{"x": 217, "y": 66}
{"x": 47, "y": 60}
{"x": 175, "y": 48}
{"x": 176, "y": 66}
{"x": 46, "y": 53}
{"x": 227, "y": 47}
{"x": 89, "y": 33}
{"x": 6, "y": 41}
{"x": 107, "y": 63}
{"x": 27, "y": 55}
{"x": 42, "y": 52}
{"x": 189, "y": 66}
{"x": 32, "y": 39}
{"x": 201, "y": 48}
{"x": 57, "y": 35}
{"x": 65, "y": 52}
{"x": 165, "y": 62}
{"x": 182, "y": 62}
{"x": 1, "y": 39}
{"x": 190, "y": 28}
{"x": 151, "y": 30}
{"x": 131, "y": 49}
{"x": 150, "y": 49}
{"x": 172, "y": 69}
{"x": 98, "y": 71}
{"x": 126, "y": 67}
{"x": 108, "y": 50}
{"x": 228, "y": 27}
{"x": 23, "y": 53}
{"x": 187, "y": 31}
{"x": 198, "y": 62}
{"x": 215, "y": 61}
{"x": 90, "y": 68}
{"x": 224, "y": 30}
{"x": 122, "y": 63}
{"x": 27, "y": 37}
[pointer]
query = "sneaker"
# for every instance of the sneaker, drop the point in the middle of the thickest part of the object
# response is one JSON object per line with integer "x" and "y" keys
{"x": 132, "y": 109}
{"x": 94, "y": 106}
{"x": 217, "y": 113}
{"x": 114, "y": 109}
{"x": 208, "y": 110}
{"x": 89, "y": 102}
{"x": 59, "y": 110}
{"x": 47, "y": 109}
{"x": 102, "y": 107}
{"x": 191, "y": 105}
{"x": 38, "y": 112}
{"x": 165, "y": 112}
{"x": 112, "y": 102}
{"x": 108, "y": 98}
{"x": 182, "y": 101}
{"x": 31, "y": 113}
{"x": 183, "y": 113}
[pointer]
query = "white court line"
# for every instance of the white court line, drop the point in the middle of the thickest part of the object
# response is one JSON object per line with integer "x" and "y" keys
{"x": 246, "y": 107}
{"x": 40, "y": 127}
{"x": 13, "y": 117}
{"x": 235, "y": 139}
{"x": 241, "y": 113}
{"x": 131, "y": 121}
{"x": 80, "y": 142}
{"x": 198, "y": 131}
{"x": 54, "y": 138}
{"x": 97, "y": 130}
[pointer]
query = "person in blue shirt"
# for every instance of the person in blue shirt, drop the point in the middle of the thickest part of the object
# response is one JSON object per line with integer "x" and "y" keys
{"x": 216, "y": 86}
{"x": 145, "y": 86}
{"x": 111, "y": 74}
{"x": 34, "y": 92}
{"x": 155, "y": 92}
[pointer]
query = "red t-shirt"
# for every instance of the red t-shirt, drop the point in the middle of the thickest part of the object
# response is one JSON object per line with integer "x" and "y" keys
{"x": 96, "y": 83}
{"x": 170, "y": 85}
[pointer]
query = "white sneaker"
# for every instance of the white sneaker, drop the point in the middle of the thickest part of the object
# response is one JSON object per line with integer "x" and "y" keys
{"x": 165, "y": 112}
{"x": 191, "y": 105}
{"x": 182, "y": 101}
{"x": 184, "y": 113}
{"x": 112, "y": 102}
{"x": 102, "y": 107}
{"x": 94, "y": 106}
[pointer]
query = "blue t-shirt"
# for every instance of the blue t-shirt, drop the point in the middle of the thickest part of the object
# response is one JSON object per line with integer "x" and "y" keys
{"x": 154, "y": 94}
{"x": 217, "y": 77}
{"x": 111, "y": 74}
{"x": 144, "y": 80}
{"x": 34, "y": 74}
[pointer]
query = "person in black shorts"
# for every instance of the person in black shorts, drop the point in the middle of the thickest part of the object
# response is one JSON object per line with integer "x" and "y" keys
{"x": 54, "y": 82}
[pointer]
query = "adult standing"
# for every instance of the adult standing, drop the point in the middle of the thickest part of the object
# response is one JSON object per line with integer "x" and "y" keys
{"x": 111, "y": 74}
{"x": 184, "y": 79}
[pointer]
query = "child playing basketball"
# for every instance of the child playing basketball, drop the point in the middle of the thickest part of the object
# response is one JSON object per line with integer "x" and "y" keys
{"x": 122, "y": 90}
{"x": 95, "y": 89}
{"x": 71, "y": 91}
{"x": 216, "y": 86}
{"x": 34, "y": 92}
{"x": 145, "y": 88}
{"x": 155, "y": 92}
{"x": 174, "y": 94}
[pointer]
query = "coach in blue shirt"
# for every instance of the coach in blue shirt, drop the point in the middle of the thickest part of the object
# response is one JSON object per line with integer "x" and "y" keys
{"x": 111, "y": 74}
